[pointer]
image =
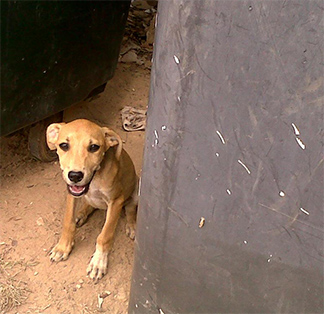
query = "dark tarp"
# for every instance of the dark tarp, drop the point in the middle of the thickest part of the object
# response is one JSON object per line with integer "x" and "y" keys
{"x": 54, "y": 54}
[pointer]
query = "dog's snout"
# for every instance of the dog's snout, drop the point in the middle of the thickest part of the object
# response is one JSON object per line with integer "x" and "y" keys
{"x": 75, "y": 176}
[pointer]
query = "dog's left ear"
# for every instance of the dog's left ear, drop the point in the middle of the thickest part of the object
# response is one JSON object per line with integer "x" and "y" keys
{"x": 113, "y": 140}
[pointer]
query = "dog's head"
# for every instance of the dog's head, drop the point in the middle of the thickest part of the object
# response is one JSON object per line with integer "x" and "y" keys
{"x": 81, "y": 146}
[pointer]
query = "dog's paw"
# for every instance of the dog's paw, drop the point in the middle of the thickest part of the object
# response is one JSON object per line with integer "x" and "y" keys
{"x": 80, "y": 220}
{"x": 98, "y": 265}
{"x": 61, "y": 252}
{"x": 130, "y": 231}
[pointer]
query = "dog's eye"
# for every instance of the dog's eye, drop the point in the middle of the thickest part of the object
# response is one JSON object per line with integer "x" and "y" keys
{"x": 64, "y": 146}
{"x": 93, "y": 148}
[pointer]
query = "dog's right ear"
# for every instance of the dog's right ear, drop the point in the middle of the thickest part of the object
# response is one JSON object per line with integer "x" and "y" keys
{"x": 52, "y": 134}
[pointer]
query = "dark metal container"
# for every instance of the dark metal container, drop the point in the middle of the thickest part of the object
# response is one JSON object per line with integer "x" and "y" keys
{"x": 231, "y": 208}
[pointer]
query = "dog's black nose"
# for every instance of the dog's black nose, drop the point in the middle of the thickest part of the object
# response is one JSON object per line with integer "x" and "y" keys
{"x": 75, "y": 176}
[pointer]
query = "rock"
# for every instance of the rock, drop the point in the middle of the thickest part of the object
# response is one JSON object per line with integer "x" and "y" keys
{"x": 129, "y": 57}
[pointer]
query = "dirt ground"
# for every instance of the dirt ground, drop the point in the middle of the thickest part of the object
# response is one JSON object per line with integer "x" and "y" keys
{"x": 32, "y": 203}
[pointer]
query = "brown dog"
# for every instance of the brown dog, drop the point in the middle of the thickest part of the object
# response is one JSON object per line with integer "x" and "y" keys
{"x": 96, "y": 168}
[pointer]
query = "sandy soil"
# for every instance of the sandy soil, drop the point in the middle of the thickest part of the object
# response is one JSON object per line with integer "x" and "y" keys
{"x": 31, "y": 211}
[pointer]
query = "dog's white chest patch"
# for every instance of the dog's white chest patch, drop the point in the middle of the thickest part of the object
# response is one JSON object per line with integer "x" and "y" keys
{"x": 96, "y": 199}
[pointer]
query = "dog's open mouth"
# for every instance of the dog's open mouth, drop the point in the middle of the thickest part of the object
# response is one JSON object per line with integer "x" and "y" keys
{"x": 78, "y": 190}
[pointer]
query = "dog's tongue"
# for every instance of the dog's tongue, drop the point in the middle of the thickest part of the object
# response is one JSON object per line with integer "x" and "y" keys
{"x": 76, "y": 189}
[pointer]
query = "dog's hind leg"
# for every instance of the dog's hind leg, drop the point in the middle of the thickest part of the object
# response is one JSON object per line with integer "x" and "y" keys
{"x": 83, "y": 213}
{"x": 131, "y": 211}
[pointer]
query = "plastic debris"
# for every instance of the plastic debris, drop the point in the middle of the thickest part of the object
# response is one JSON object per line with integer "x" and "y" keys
{"x": 133, "y": 119}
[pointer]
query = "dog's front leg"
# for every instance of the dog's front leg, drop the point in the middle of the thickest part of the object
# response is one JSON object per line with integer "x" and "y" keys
{"x": 98, "y": 265}
{"x": 63, "y": 248}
